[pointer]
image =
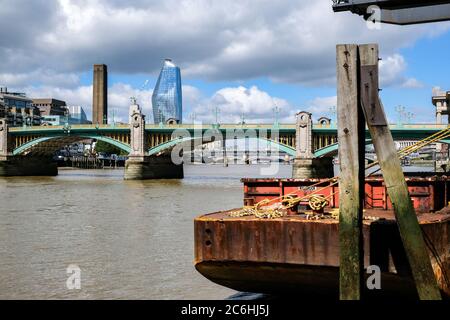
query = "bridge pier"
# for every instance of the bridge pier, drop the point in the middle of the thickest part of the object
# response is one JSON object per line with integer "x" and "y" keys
{"x": 19, "y": 165}
{"x": 312, "y": 168}
{"x": 305, "y": 165}
{"x": 27, "y": 166}
{"x": 141, "y": 166}
{"x": 152, "y": 167}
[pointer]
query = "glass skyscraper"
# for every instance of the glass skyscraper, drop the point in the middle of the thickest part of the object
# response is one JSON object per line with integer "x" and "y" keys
{"x": 167, "y": 96}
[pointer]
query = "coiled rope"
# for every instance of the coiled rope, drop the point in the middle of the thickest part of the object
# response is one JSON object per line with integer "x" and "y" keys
{"x": 278, "y": 207}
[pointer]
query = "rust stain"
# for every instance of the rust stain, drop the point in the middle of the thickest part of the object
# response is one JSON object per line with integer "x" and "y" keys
{"x": 294, "y": 242}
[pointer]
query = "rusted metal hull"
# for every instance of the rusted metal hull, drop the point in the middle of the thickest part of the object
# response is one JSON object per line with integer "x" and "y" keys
{"x": 301, "y": 280}
{"x": 293, "y": 254}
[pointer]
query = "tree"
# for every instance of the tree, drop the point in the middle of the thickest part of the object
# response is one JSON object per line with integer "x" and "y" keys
{"x": 102, "y": 146}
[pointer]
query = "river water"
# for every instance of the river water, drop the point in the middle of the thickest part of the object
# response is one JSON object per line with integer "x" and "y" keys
{"x": 130, "y": 239}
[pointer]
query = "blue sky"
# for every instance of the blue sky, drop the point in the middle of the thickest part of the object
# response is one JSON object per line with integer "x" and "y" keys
{"x": 428, "y": 62}
{"x": 241, "y": 56}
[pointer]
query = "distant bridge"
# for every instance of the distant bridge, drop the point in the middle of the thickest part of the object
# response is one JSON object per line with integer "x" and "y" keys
{"x": 46, "y": 140}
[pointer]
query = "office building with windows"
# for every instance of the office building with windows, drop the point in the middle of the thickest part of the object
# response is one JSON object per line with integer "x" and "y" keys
{"x": 51, "y": 106}
{"x": 167, "y": 95}
{"x": 77, "y": 115}
{"x": 17, "y": 109}
{"x": 74, "y": 115}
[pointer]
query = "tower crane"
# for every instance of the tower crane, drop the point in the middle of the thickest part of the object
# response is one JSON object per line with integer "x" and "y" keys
{"x": 134, "y": 99}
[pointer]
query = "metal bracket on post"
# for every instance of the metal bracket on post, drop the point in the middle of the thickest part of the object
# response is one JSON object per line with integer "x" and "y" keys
{"x": 373, "y": 111}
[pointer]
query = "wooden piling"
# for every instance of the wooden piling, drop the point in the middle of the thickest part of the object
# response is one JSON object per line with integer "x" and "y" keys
{"x": 394, "y": 179}
{"x": 351, "y": 182}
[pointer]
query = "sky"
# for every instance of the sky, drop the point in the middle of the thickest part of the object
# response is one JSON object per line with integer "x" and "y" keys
{"x": 242, "y": 57}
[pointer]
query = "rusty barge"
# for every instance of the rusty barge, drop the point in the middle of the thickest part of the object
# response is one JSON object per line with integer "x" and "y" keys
{"x": 298, "y": 254}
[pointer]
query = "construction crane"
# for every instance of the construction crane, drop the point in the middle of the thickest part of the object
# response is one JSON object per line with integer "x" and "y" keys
{"x": 402, "y": 12}
{"x": 134, "y": 99}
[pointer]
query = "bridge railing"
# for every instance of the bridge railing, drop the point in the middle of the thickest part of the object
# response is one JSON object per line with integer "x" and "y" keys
{"x": 156, "y": 127}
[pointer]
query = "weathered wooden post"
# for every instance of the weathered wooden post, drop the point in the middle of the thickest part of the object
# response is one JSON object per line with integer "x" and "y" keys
{"x": 394, "y": 178}
{"x": 351, "y": 181}
{"x": 357, "y": 75}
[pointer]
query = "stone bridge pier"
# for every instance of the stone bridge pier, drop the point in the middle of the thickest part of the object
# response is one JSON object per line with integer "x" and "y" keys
{"x": 141, "y": 166}
{"x": 305, "y": 165}
{"x": 21, "y": 165}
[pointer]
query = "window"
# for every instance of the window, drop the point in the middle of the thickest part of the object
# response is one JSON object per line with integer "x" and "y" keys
{"x": 167, "y": 96}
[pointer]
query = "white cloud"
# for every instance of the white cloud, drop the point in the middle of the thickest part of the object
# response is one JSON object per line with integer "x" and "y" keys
{"x": 119, "y": 101}
{"x": 287, "y": 40}
{"x": 255, "y": 105}
{"x": 119, "y": 96}
{"x": 392, "y": 69}
{"x": 192, "y": 97}
{"x": 322, "y": 105}
{"x": 412, "y": 83}
{"x": 73, "y": 96}
{"x": 41, "y": 76}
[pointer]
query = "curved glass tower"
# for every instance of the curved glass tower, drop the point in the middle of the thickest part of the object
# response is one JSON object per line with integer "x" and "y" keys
{"x": 167, "y": 96}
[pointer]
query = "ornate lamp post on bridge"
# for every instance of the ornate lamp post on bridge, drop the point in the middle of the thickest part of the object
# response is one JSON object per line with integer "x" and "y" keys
{"x": 333, "y": 113}
{"x": 276, "y": 112}
{"x": 242, "y": 118}
{"x": 401, "y": 112}
{"x": 216, "y": 125}
{"x": 193, "y": 116}
{"x": 410, "y": 116}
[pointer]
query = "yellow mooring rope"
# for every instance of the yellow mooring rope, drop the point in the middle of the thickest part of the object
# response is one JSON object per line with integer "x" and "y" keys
{"x": 278, "y": 207}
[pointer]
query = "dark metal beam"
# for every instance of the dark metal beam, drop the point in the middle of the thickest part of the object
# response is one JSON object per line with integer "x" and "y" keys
{"x": 416, "y": 15}
{"x": 355, "y": 5}
{"x": 401, "y": 12}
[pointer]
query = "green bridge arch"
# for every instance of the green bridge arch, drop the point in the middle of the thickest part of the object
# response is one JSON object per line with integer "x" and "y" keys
{"x": 328, "y": 150}
{"x": 333, "y": 148}
{"x": 125, "y": 147}
{"x": 170, "y": 144}
{"x": 37, "y": 141}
